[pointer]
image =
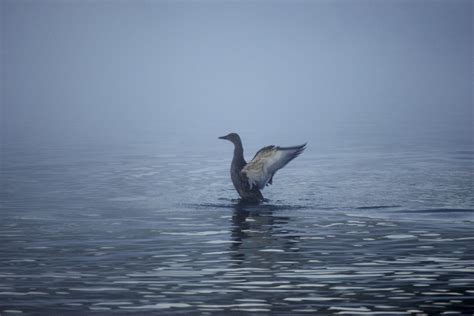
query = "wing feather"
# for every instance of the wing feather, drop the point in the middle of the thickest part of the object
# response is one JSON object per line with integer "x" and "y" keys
{"x": 267, "y": 161}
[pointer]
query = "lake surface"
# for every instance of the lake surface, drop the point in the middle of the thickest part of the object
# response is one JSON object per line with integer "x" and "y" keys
{"x": 157, "y": 229}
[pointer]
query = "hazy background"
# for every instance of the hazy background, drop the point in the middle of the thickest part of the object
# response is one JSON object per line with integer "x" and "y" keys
{"x": 115, "y": 193}
{"x": 318, "y": 71}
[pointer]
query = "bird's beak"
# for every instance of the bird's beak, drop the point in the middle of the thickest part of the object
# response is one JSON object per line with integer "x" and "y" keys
{"x": 223, "y": 137}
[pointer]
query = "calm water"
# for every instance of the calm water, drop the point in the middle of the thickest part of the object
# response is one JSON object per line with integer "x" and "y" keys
{"x": 157, "y": 228}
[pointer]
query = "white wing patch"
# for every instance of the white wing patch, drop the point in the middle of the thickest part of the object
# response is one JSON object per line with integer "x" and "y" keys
{"x": 267, "y": 161}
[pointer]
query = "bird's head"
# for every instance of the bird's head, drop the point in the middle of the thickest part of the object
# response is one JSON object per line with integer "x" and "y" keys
{"x": 232, "y": 137}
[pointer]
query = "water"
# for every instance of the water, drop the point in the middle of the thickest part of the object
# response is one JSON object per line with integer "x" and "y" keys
{"x": 156, "y": 228}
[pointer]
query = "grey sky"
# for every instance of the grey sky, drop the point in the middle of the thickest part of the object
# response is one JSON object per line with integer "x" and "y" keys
{"x": 131, "y": 70}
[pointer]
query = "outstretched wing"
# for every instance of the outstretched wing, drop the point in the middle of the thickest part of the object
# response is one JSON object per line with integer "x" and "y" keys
{"x": 268, "y": 160}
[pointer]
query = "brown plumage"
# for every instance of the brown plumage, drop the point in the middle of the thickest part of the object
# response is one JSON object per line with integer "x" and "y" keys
{"x": 250, "y": 178}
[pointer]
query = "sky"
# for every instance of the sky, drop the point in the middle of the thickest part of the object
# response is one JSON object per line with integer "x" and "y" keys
{"x": 128, "y": 71}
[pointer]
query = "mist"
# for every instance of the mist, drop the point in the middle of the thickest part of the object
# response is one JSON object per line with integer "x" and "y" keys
{"x": 123, "y": 71}
{"x": 117, "y": 197}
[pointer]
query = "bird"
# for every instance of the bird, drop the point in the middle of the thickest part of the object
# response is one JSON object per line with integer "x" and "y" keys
{"x": 250, "y": 178}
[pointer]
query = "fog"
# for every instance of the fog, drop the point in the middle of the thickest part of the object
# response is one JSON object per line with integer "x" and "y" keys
{"x": 126, "y": 71}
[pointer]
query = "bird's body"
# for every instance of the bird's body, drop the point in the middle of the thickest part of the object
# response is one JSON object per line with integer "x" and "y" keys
{"x": 250, "y": 178}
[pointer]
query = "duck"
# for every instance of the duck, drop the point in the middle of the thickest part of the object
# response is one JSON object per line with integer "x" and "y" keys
{"x": 252, "y": 177}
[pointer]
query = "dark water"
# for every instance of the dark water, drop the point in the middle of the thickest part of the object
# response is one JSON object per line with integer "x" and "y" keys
{"x": 156, "y": 228}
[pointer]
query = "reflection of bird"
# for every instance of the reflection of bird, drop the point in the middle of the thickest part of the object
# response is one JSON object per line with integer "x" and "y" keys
{"x": 250, "y": 178}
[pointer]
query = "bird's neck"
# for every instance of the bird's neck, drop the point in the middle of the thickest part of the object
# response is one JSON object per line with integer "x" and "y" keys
{"x": 238, "y": 154}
